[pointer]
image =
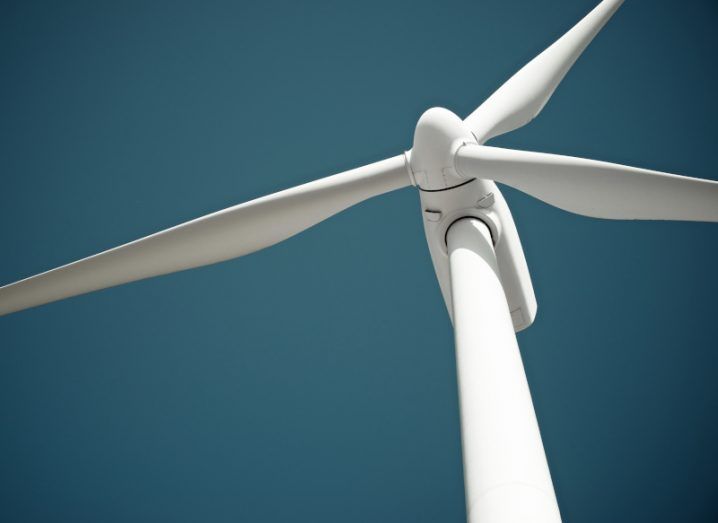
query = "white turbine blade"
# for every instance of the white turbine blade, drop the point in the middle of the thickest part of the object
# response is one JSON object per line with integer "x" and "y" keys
{"x": 522, "y": 97}
{"x": 220, "y": 236}
{"x": 593, "y": 188}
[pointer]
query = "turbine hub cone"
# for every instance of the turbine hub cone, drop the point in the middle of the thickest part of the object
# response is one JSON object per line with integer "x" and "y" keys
{"x": 438, "y": 135}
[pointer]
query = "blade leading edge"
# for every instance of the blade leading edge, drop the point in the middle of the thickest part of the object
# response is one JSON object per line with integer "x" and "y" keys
{"x": 594, "y": 188}
{"x": 524, "y": 95}
{"x": 217, "y": 237}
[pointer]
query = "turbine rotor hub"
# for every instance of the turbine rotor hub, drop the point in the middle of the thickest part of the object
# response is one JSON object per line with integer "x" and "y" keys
{"x": 439, "y": 134}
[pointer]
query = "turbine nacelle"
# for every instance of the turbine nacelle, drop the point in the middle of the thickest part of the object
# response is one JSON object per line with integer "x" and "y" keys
{"x": 447, "y": 195}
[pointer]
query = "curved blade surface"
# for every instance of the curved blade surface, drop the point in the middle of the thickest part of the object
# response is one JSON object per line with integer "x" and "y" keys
{"x": 593, "y": 188}
{"x": 219, "y": 236}
{"x": 523, "y": 96}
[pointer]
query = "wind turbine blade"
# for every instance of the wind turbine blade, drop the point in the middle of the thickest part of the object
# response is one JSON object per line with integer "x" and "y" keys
{"x": 593, "y": 188}
{"x": 521, "y": 98}
{"x": 220, "y": 236}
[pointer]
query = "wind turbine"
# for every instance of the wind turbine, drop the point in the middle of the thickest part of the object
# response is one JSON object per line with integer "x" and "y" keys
{"x": 473, "y": 243}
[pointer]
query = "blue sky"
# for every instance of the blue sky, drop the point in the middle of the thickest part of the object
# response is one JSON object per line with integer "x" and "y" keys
{"x": 315, "y": 381}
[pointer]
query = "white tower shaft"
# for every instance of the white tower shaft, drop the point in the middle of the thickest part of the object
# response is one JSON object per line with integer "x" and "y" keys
{"x": 507, "y": 479}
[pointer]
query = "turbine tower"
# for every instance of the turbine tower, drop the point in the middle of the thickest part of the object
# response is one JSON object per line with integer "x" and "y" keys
{"x": 473, "y": 243}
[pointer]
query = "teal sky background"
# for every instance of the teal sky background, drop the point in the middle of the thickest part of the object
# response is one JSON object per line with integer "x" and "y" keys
{"x": 315, "y": 381}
